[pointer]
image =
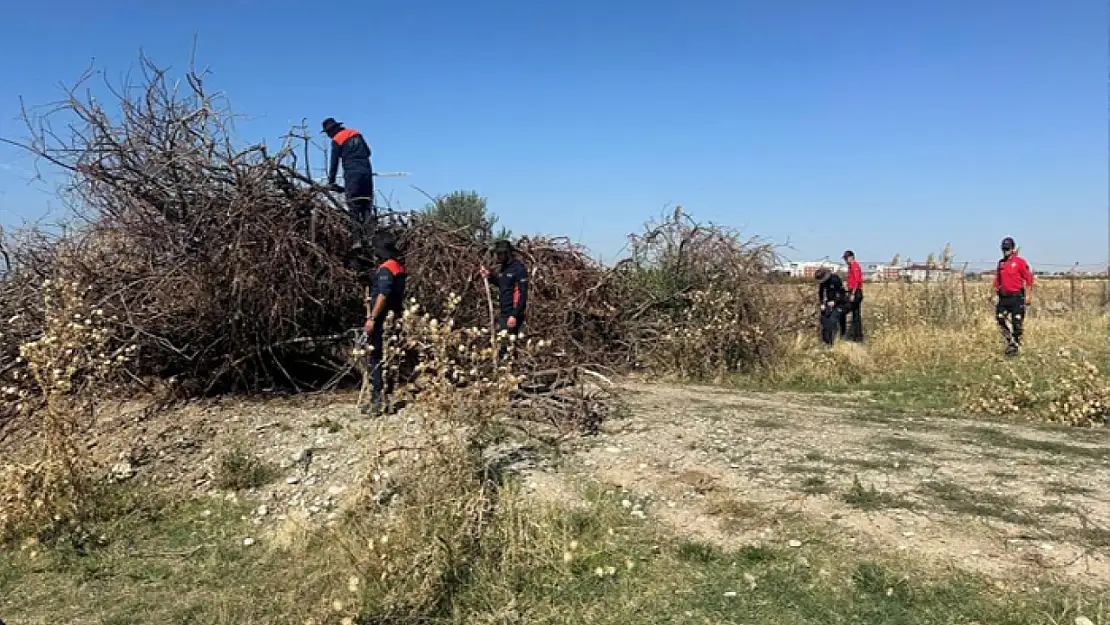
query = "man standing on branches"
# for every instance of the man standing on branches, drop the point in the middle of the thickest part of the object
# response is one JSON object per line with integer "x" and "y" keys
{"x": 387, "y": 294}
{"x": 350, "y": 148}
{"x": 854, "y": 287}
{"x": 510, "y": 276}
{"x": 1013, "y": 282}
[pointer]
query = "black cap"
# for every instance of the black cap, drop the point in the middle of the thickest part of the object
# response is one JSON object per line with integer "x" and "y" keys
{"x": 502, "y": 246}
{"x": 822, "y": 274}
{"x": 1007, "y": 244}
{"x": 330, "y": 125}
{"x": 385, "y": 245}
{"x": 848, "y": 253}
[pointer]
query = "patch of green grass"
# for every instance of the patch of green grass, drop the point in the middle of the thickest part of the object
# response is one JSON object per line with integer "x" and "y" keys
{"x": 802, "y": 468}
{"x": 771, "y": 423}
{"x": 962, "y": 500}
{"x": 329, "y": 424}
{"x": 1055, "y": 508}
{"x": 734, "y": 514}
{"x": 871, "y": 499}
{"x": 1060, "y": 451}
{"x": 188, "y": 564}
{"x": 697, "y": 552}
{"x": 816, "y": 486}
{"x": 904, "y": 444}
{"x": 181, "y": 563}
{"x": 1063, "y": 488}
{"x": 237, "y": 469}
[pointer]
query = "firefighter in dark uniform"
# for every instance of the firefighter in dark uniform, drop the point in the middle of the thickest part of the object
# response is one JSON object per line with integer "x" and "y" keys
{"x": 350, "y": 148}
{"x": 832, "y": 297}
{"x": 1013, "y": 282}
{"x": 510, "y": 276}
{"x": 387, "y": 294}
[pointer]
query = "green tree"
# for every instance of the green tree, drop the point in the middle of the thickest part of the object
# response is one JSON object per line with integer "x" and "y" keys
{"x": 468, "y": 213}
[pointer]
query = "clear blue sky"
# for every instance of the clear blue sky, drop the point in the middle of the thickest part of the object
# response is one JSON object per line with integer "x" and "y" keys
{"x": 880, "y": 126}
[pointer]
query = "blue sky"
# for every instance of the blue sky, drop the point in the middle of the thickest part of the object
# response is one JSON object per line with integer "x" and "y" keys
{"x": 880, "y": 126}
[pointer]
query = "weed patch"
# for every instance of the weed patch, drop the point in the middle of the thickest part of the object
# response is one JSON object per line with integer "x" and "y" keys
{"x": 871, "y": 499}
{"x": 963, "y": 500}
{"x": 237, "y": 469}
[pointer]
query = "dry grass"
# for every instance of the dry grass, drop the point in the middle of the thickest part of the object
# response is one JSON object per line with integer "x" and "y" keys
{"x": 944, "y": 336}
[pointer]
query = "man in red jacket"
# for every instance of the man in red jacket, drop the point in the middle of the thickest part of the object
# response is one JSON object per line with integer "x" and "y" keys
{"x": 1013, "y": 282}
{"x": 854, "y": 286}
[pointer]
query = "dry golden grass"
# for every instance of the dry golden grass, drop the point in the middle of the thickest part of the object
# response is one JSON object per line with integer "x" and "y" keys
{"x": 946, "y": 336}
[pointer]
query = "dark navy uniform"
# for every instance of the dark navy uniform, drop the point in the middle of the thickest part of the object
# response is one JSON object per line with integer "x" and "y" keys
{"x": 389, "y": 281}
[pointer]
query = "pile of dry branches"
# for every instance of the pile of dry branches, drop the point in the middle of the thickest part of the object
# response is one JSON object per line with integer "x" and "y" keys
{"x": 228, "y": 269}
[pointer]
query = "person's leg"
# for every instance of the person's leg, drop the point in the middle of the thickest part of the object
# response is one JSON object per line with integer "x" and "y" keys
{"x": 829, "y": 323}
{"x": 1001, "y": 313}
{"x": 359, "y": 191}
{"x": 502, "y": 341}
{"x": 857, "y": 319}
{"x": 842, "y": 318}
{"x": 376, "y": 356}
{"x": 1017, "y": 320}
{"x": 514, "y": 335}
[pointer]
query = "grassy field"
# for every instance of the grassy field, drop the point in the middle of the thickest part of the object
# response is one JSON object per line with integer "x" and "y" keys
{"x": 440, "y": 545}
{"x": 931, "y": 342}
{"x": 186, "y": 564}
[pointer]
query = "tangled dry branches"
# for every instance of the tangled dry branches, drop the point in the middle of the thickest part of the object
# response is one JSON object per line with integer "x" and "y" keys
{"x": 229, "y": 269}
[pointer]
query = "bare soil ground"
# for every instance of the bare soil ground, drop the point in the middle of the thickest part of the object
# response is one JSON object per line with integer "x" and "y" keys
{"x": 733, "y": 468}
{"x": 729, "y": 467}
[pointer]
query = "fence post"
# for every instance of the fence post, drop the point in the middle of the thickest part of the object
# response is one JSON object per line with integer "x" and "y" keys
{"x": 1071, "y": 280}
{"x": 963, "y": 294}
{"x": 1105, "y": 290}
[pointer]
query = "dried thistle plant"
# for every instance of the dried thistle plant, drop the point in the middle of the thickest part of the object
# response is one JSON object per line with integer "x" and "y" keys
{"x": 450, "y": 370}
{"x": 66, "y": 370}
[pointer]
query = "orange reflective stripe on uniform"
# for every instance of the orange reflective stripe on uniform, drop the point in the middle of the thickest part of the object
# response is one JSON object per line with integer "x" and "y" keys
{"x": 394, "y": 267}
{"x": 341, "y": 137}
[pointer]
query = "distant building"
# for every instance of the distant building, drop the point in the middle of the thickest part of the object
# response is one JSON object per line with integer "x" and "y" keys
{"x": 924, "y": 272}
{"x": 804, "y": 269}
{"x": 877, "y": 272}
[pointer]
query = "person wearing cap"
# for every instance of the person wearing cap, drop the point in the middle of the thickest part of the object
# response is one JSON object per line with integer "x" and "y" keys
{"x": 1013, "y": 283}
{"x": 350, "y": 148}
{"x": 854, "y": 298}
{"x": 510, "y": 276}
{"x": 387, "y": 294}
{"x": 831, "y": 297}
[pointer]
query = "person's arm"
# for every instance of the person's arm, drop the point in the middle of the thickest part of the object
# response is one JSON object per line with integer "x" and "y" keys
{"x": 384, "y": 286}
{"x": 1027, "y": 277}
{"x": 997, "y": 278}
{"x": 333, "y": 167}
{"x": 520, "y": 299}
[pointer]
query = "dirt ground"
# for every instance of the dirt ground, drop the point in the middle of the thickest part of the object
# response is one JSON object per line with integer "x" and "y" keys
{"x": 730, "y": 467}
{"x": 735, "y": 468}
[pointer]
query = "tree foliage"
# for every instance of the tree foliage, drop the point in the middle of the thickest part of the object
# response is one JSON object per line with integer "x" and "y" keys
{"x": 468, "y": 213}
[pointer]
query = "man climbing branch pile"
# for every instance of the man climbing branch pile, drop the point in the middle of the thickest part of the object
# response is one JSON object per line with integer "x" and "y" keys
{"x": 350, "y": 148}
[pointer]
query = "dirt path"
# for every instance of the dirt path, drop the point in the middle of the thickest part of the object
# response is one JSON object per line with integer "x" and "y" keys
{"x": 730, "y": 467}
{"x": 734, "y": 468}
